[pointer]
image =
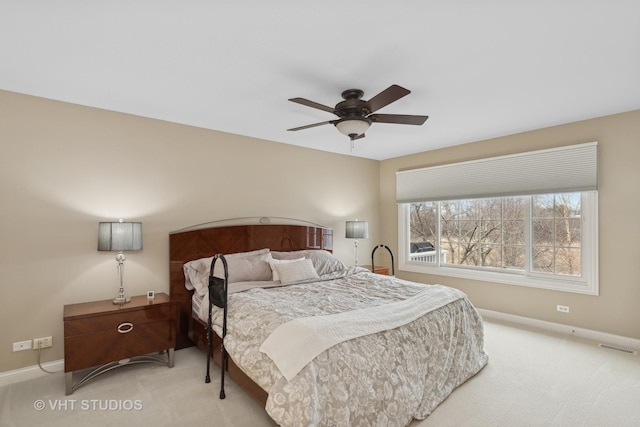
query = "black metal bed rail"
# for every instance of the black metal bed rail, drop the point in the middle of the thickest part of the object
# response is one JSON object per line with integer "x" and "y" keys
{"x": 218, "y": 288}
{"x": 373, "y": 266}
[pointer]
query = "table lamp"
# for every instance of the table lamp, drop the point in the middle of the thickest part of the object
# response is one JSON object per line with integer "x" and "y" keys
{"x": 119, "y": 237}
{"x": 357, "y": 230}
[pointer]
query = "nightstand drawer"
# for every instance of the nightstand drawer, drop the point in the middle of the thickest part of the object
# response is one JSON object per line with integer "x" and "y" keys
{"x": 99, "y": 332}
{"x": 103, "y": 336}
{"x": 141, "y": 338}
{"x": 111, "y": 322}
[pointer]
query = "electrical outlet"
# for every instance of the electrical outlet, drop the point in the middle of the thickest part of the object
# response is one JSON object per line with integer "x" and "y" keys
{"x": 44, "y": 342}
{"x": 22, "y": 345}
{"x": 562, "y": 308}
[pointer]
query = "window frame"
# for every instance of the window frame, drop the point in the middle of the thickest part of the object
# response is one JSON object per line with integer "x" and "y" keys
{"x": 587, "y": 283}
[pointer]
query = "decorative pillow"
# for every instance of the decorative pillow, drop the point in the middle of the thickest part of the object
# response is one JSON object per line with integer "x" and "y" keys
{"x": 296, "y": 271}
{"x": 273, "y": 262}
{"x": 196, "y": 273}
{"x": 245, "y": 269}
{"x": 323, "y": 261}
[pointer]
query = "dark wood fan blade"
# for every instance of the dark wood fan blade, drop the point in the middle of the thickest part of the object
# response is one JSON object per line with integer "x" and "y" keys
{"x": 313, "y": 125}
{"x": 313, "y": 104}
{"x": 386, "y": 97}
{"x": 401, "y": 119}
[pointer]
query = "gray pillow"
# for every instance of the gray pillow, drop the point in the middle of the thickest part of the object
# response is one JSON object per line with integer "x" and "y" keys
{"x": 323, "y": 261}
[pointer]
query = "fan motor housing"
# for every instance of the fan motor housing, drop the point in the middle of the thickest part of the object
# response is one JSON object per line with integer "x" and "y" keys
{"x": 353, "y": 105}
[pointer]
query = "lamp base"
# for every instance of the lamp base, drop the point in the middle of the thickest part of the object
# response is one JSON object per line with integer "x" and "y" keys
{"x": 121, "y": 300}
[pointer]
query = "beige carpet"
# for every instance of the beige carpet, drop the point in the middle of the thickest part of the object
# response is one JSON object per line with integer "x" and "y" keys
{"x": 532, "y": 379}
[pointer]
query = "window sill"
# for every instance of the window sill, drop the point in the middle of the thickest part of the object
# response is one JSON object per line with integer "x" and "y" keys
{"x": 517, "y": 279}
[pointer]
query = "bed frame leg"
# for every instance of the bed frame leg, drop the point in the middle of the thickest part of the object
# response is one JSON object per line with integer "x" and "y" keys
{"x": 224, "y": 355}
{"x": 207, "y": 378}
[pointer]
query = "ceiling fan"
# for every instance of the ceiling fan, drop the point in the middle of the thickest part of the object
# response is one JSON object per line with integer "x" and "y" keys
{"x": 356, "y": 115}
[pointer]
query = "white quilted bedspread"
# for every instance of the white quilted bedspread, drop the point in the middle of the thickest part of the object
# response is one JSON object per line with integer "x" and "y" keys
{"x": 382, "y": 379}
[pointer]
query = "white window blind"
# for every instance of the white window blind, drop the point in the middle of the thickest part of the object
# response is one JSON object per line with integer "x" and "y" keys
{"x": 556, "y": 170}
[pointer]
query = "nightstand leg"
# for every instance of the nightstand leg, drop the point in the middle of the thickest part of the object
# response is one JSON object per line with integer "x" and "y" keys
{"x": 68, "y": 379}
{"x": 172, "y": 359}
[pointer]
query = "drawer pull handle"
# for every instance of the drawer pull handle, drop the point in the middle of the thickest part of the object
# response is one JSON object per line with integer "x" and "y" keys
{"x": 125, "y": 327}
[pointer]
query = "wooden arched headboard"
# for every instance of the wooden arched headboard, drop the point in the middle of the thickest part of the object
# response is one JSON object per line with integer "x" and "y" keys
{"x": 190, "y": 245}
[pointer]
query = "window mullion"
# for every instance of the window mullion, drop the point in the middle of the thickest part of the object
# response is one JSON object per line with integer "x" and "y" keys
{"x": 502, "y": 249}
{"x": 438, "y": 233}
{"x": 528, "y": 235}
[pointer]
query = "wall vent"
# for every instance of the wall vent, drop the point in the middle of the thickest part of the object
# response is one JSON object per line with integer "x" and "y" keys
{"x": 622, "y": 349}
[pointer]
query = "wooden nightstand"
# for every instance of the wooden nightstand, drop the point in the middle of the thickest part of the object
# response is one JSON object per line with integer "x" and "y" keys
{"x": 379, "y": 270}
{"x": 107, "y": 336}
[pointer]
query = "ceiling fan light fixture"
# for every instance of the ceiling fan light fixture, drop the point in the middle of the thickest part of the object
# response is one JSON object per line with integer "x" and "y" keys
{"x": 353, "y": 126}
{"x": 355, "y": 115}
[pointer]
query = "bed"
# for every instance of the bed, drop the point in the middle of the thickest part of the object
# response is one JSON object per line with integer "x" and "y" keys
{"x": 324, "y": 344}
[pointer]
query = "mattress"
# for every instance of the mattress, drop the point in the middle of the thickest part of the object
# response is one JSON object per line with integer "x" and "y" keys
{"x": 384, "y": 378}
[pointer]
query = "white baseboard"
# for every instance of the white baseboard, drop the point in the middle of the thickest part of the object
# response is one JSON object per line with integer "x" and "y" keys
{"x": 599, "y": 337}
{"x": 30, "y": 372}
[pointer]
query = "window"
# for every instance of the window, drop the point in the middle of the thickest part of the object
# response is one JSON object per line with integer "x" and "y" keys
{"x": 546, "y": 241}
{"x": 526, "y": 219}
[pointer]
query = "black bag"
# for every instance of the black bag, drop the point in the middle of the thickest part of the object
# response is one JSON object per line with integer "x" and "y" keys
{"x": 217, "y": 291}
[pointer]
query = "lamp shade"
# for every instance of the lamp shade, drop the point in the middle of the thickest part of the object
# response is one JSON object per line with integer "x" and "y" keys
{"x": 119, "y": 236}
{"x": 353, "y": 126}
{"x": 357, "y": 230}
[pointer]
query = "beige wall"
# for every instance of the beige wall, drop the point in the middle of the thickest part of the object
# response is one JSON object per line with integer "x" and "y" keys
{"x": 617, "y": 309}
{"x": 64, "y": 168}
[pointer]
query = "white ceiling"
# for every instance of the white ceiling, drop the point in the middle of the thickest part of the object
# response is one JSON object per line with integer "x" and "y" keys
{"x": 479, "y": 69}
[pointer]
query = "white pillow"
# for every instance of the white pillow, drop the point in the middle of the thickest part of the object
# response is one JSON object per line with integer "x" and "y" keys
{"x": 273, "y": 262}
{"x": 296, "y": 271}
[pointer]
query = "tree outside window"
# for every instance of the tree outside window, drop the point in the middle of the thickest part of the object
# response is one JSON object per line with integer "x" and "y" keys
{"x": 492, "y": 233}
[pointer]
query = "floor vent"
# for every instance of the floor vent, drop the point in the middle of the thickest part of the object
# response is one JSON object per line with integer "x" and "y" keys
{"x": 622, "y": 349}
